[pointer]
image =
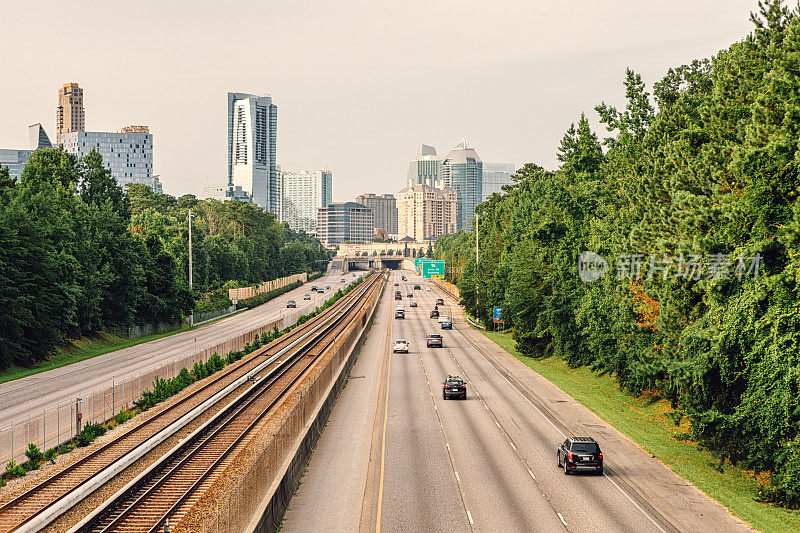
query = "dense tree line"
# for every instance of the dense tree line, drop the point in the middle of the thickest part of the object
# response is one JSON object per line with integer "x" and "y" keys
{"x": 692, "y": 201}
{"x": 79, "y": 255}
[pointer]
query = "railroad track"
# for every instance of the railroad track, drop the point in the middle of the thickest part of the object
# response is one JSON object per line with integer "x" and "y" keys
{"x": 168, "y": 488}
{"x": 20, "y": 510}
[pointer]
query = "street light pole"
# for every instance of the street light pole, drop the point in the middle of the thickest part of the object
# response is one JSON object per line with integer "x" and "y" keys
{"x": 191, "y": 315}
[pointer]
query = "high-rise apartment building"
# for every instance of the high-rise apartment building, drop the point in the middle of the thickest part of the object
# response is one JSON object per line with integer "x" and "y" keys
{"x": 252, "y": 143}
{"x": 462, "y": 171}
{"x": 425, "y": 213}
{"x": 495, "y": 175}
{"x": 69, "y": 113}
{"x": 384, "y": 210}
{"x": 129, "y": 156}
{"x": 426, "y": 168}
{"x": 344, "y": 222}
{"x": 303, "y": 194}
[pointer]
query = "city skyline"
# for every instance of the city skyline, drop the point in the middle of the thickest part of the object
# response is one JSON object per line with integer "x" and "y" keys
{"x": 529, "y": 55}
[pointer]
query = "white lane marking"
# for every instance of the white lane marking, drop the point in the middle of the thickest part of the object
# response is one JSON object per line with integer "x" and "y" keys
{"x": 562, "y": 519}
{"x": 531, "y": 473}
{"x": 448, "y": 446}
{"x": 512, "y": 445}
{"x": 497, "y": 423}
{"x": 469, "y": 515}
{"x": 458, "y": 478}
{"x": 645, "y": 513}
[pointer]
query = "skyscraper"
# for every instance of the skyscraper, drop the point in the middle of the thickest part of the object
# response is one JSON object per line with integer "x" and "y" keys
{"x": 303, "y": 194}
{"x": 462, "y": 171}
{"x": 495, "y": 175}
{"x": 252, "y": 140}
{"x": 425, "y": 213}
{"x": 384, "y": 210}
{"x": 425, "y": 169}
{"x": 69, "y": 113}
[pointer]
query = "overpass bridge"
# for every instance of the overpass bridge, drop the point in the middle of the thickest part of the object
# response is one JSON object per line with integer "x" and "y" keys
{"x": 346, "y": 264}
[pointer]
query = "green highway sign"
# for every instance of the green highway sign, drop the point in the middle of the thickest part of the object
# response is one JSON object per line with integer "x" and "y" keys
{"x": 432, "y": 269}
{"x": 418, "y": 261}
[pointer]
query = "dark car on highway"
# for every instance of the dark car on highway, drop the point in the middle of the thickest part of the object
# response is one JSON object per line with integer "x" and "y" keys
{"x": 580, "y": 454}
{"x": 439, "y": 301}
{"x": 413, "y": 304}
{"x": 454, "y": 387}
{"x": 435, "y": 340}
{"x": 417, "y": 287}
{"x": 447, "y": 325}
{"x": 291, "y": 303}
{"x": 306, "y": 296}
{"x": 410, "y": 295}
{"x": 399, "y": 314}
{"x": 435, "y": 314}
{"x": 398, "y": 295}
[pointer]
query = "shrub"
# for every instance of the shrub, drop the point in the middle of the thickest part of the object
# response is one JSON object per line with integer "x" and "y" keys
{"x": 13, "y": 470}
{"x": 33, "y": 453}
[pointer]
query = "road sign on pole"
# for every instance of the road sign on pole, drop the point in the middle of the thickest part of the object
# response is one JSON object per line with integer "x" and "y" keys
{"x": 497, "y": 314}
{"x": 432, "y": 269}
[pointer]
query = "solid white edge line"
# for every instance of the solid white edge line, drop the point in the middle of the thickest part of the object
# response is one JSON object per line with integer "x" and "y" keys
{"x": 645, "y": 513}
{"x": 562, "y": 519}
{"x": 531, "y": 473}
{"x": 469, "y": 515}
{"x": 512, "y": 445}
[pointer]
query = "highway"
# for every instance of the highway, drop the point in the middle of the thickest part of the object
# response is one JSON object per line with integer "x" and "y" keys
{"x": 395, "y": 456}
{"x": 45, "y": 390}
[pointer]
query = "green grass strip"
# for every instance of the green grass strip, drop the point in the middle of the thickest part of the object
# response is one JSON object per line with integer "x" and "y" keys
{"x": 647, "y": 423}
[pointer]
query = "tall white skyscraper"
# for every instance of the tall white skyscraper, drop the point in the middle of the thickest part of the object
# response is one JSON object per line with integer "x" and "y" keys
{"x": 425, "y": 169}
{"x": 495, "y": 175}
{"x": 252, "y": 140}
{"x": 129, "y": 156}
{"x": 303, "y": 194}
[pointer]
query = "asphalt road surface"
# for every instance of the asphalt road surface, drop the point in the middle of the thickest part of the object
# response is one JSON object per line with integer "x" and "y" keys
{"x": 33, "y": 394}
{"x": 412, "y": 461}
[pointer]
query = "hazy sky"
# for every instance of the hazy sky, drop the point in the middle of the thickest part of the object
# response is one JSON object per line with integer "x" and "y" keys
{"x": 358, "y": 84}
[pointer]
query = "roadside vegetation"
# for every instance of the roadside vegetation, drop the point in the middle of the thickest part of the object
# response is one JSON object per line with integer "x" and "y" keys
{"x": 692, "y": 205}
{"x": 78, "y": 255}
{"x": 652, "y": 424}
{"x": 163, "y": 389}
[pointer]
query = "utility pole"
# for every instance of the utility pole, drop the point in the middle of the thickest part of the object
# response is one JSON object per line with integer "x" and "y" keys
{"x": 191, "y": 315}
{"x": 477, "y": 259}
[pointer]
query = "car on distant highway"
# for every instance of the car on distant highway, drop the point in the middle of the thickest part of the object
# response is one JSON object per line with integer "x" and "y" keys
{"x": 435, "y": 313}
{"x": 313, "y": 288}
{"x": 580, "y": 454}
{"x": 400, "y": 346}
{"x": 428, "y": 289}
{"x": 306, "y": 296}
{"x": 341, "y": 280}
{"x": 439, "y": 301}
{"x": 416, "y": 287}
{"x": 446, "y": 324}
{"x": 291, "y": 304}
{"x": 410, "y": 295}
{"x": 399, "y": 313}
{"x": 413, "y": 304}
{"x": 435, "y": 340}
{"x": 398, "y": 295}
{"x": 396, "y": 284}
{"x": 454, "y": 387}
{"x": 444, "y": 318}
{"x": 327, "y": 287}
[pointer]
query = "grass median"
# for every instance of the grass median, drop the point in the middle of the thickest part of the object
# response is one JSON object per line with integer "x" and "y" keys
{"x": 648, "y": 424}
{"x": 82, "y": 349}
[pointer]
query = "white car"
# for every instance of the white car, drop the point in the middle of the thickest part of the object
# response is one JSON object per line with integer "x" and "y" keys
{"x": 400, "y": 345}
{"x": 428, "y": 289}
{"x": 443, "y": 318}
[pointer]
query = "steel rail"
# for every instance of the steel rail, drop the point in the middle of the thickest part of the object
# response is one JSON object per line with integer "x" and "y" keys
{"x": 51, "y": 489}
{"x": 118, "y": 508}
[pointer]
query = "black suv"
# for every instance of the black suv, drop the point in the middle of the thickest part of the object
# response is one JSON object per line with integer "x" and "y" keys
{"x": 580, "y": 453}
{"x": 454, "y": 387}
{"x": 434, "y": 339}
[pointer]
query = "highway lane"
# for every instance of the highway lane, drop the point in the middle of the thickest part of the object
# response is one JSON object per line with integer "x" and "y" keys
{"x": 33, "y": 394}
{"x": 487, "y": 463}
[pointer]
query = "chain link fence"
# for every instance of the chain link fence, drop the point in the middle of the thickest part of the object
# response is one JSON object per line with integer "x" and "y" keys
{"x": 54, "y": 426}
